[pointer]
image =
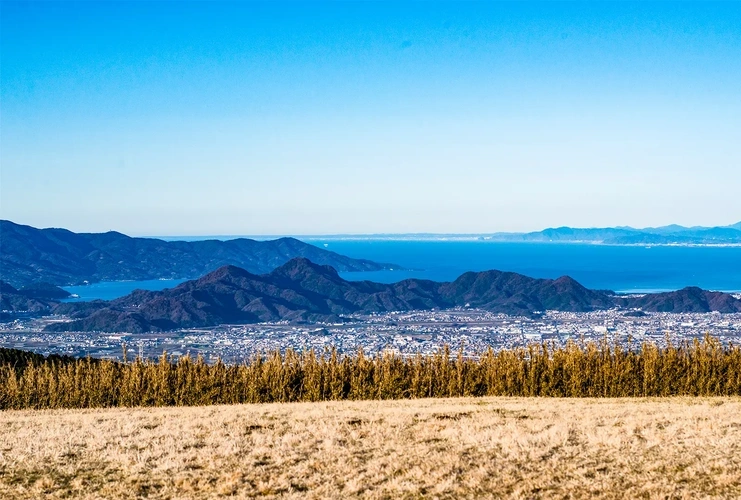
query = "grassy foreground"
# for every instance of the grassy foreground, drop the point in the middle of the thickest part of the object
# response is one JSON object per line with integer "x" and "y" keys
{"x": 438, "y": 448}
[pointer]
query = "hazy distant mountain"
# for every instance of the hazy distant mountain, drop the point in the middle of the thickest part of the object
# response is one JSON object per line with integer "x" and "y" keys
{"x": 666, "y": 235}
{"x": 61, "y": 257}
{"x": 303, "y": 291}
{"x": 621, "y": 235}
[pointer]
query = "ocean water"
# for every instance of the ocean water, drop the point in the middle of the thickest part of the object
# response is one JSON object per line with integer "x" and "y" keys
{"x": 605, "y": 267}
{"x": 618, "y": 268}
{"x": 109, "y": 290}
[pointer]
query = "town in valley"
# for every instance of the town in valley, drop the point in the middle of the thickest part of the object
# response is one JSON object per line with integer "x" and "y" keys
{"x": 470, "y": 331}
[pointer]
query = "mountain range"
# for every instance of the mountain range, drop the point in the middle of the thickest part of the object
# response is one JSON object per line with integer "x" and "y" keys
{"x": 621, "y": 235}
{"x": 301, "y": 290}
{"x": 61, "y": 257}
{"x": 665, "y": 235}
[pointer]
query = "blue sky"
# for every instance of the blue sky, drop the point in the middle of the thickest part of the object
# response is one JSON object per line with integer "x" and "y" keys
{"x": 300, "y": 118}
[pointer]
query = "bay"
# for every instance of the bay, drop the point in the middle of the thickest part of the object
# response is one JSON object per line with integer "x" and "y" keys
{"x": 619, "y": 268}
{"x": 109, "y": 290}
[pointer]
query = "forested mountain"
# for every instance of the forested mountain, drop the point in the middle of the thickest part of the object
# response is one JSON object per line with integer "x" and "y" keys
{"x": 37, "y": 298}
{"x": 61, "y": 257}
{"x": 303, "y": 291}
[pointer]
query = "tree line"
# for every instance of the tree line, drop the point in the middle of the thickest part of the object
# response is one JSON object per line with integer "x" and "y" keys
{"x": 602, "y": 369}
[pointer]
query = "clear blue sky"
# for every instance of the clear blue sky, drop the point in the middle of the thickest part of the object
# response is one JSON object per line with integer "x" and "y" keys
{"x": 297, "y": 118}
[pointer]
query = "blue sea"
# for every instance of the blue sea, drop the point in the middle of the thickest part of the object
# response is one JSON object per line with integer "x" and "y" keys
{"x": 109, "y": 290}
{"x": 605, "y": 267}
{"x": 618, "y": 268}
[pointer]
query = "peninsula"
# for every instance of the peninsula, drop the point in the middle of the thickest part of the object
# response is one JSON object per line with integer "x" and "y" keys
{"x": 60, "y": 257}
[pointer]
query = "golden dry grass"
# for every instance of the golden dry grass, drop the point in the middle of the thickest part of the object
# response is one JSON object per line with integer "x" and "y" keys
{"x": 436, "y": 448}
{"x": 707, "y": 368}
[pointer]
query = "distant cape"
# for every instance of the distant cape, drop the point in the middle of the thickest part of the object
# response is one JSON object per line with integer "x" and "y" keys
{"x": 665, "y": 235}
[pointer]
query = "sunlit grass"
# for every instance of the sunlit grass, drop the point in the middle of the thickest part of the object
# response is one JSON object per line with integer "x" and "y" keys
{"x": 437, "y": 448}
{"x": 705, "y": 368}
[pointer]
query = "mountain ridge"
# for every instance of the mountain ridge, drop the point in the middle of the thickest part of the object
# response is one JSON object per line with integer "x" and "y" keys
{"x": 35, "y": 298}
{"x": 625, "y": 235}
{"x": 619, "y": 235}
{"x": 62, "y": 257}
{"x": 301, "y": 290}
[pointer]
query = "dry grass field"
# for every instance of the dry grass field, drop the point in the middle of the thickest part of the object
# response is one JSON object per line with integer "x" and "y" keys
{"x": 428, "y": 448}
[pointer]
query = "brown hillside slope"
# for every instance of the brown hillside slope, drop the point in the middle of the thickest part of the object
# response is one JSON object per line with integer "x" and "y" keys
{"x": 438, "y": 448}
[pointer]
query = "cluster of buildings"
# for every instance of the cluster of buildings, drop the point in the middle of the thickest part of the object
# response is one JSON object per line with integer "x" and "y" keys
{"x": 403, "y": 333}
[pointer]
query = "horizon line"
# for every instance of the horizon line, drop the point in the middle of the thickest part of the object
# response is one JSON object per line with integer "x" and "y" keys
{"x": 379, "y": 234}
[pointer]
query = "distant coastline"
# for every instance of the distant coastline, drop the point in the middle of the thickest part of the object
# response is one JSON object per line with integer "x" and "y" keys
{"x": 438, "y": 237}
{"x": 484, "y": 239}
{"x": 673, "y": 235}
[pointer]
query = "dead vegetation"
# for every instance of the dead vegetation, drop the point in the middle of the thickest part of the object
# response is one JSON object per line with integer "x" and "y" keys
{"x": 436, "y": 448}
{"x": 705, "y": 368}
